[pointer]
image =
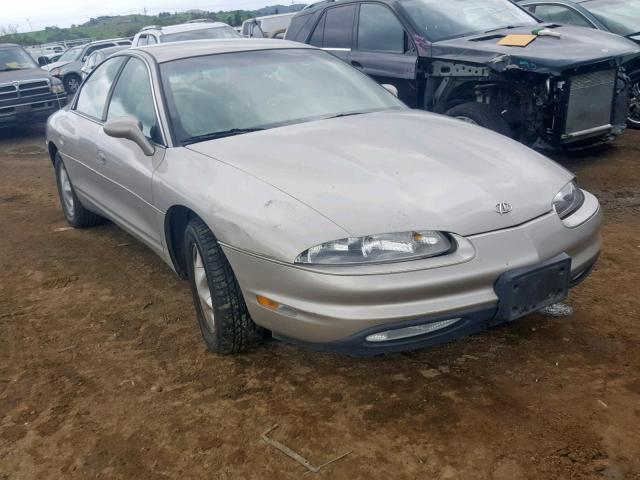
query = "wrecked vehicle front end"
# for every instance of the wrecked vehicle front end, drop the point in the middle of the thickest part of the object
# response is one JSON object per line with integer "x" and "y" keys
{"x": 569, "y": 90}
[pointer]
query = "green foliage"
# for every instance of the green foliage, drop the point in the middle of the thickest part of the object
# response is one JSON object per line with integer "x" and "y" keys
{"x": 103, "y": 27}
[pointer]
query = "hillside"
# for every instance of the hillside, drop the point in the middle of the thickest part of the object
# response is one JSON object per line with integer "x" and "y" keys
{"x": 128, "y": 25}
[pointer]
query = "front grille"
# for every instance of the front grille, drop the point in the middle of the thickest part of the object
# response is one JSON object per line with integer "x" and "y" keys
{"x": 590, "y": 102}
{"x": 31, "y": 89}
{"x": 24, "y": 89}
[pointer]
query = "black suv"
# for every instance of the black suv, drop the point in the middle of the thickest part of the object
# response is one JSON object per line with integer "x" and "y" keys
{"x": 567, "y": 88}
{"x": 27, "y": 93}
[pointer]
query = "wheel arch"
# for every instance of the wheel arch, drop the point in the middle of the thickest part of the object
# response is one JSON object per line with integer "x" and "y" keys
{"x": 175, "y": 223}
{"x": 53, "y": 151}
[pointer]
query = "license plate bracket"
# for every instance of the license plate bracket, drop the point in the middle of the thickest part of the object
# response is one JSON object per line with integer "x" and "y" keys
{"x": 525, "y": 290}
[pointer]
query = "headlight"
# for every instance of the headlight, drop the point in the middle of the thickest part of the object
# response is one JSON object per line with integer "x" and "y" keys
{"x": 388, "y": 247}
{"x": 568, "y": 200}
{"x": 57, "y": 88}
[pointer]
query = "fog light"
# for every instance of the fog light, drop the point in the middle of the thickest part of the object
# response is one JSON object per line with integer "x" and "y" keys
{"x": 413, "y": 331}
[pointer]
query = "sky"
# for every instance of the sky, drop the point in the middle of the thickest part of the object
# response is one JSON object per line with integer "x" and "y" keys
{"x": 63, "y": 13}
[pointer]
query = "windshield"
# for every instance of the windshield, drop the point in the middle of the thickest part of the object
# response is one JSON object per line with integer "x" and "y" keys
{"x": 218, "y": 95}
{"x": 71, "y": 55}
{"x": 441, "y": 20}
{"x": 619, "y": 16}
{"x": 201, "y": 34}
{"x": 15, "y": 58}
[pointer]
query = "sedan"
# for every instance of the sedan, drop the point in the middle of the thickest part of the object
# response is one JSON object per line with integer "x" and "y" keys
{"x": 302, "y": 200}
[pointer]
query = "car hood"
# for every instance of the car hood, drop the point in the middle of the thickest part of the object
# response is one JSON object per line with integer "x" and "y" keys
{"x": 575, "y": 47}
{"x": 53, "y": 65}
{"x": 25, "y": 74}
{"x": 398, "y": 171}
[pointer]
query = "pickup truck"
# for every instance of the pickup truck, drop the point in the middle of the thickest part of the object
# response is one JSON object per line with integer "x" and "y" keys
{"x": 27, "y": 93}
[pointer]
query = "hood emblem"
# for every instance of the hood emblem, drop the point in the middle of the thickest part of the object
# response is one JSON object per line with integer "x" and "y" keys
{"x": 503, "y": 208}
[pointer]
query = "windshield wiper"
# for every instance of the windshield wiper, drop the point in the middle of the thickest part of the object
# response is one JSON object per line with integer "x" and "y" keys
{"x": 214, "y": 135}
{"x": 508, "y": 27}
{"x": 350, "y": 114}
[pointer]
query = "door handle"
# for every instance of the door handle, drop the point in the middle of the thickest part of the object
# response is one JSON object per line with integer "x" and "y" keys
{"x": 101, "y": 157}
{"x": 357, "y": 65}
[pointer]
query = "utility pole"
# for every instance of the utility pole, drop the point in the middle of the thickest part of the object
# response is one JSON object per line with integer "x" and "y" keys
{"x": 30, "y": 27}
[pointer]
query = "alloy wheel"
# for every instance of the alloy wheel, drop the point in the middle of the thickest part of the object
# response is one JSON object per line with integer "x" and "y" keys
{"x": 67, "y": 192}
{"x": 202, "y": 288}
{"x": 634, "y": 104}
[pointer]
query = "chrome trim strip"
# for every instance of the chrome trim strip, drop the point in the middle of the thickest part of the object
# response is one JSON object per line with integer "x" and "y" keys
{"x": 589, "y": 131}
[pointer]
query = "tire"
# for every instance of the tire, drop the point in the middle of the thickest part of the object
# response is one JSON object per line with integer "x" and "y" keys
{"x": 481, "y": 114}
{"x": 71, "y": 83}
{"x": 223, "y": 318}
{"x": 74, "y": 212}
{"x": 633, "y": 121}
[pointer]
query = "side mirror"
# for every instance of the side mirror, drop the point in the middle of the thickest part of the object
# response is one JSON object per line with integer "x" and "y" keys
{"x": 391, "y": 89}
{"x": 129, "y": 128}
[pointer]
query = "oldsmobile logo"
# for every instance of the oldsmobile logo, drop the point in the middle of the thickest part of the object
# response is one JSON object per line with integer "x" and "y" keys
{"x": 503, "y": 208}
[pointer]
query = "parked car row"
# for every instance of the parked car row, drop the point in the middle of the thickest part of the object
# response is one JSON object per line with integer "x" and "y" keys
{"x": 569, "y": 87}
{"x": 68, "y": 68}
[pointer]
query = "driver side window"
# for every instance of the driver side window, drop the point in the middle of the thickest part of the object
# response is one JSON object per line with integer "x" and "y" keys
{"x": 133, "y": 97}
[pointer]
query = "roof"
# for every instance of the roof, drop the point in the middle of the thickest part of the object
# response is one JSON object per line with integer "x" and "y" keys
{"x": 108, "y": 40}
{"x": 188, "y": 27}
{"x": 110, "y": 50}
{"x": 166, "y": 52}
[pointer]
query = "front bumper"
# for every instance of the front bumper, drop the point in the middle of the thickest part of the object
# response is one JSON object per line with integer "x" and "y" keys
{"x": 335, "y": 309}
{"x": 31, "y": 111}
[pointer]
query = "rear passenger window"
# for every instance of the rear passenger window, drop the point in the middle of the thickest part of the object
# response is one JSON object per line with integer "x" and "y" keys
{"x": 338, "y": 28}
{"x": 151, "y": 40}
{"x": 318, "y": 34}
{"x": 93, "y": 96}
{"x": 299, "y": 28}
{"x": 379, "y": 30}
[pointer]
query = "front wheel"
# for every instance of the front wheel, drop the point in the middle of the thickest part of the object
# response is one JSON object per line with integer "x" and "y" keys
{"x": 221, "y": 311}
{"x": 481, "y": 114}
{"x": 72, "y": 83}
{"x": 633, "y": 121}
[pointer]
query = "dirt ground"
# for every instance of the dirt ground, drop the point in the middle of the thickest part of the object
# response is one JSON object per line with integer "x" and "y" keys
{"x": 103, "y": 373}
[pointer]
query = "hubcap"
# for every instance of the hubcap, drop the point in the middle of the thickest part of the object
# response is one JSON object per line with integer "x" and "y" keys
{"x": 202, "y": 288}
{"x": 467, "y": 120}
{"x": 73, "y": 84}
{"x": 634, "y": 107}
{"x": 67, "y": 192}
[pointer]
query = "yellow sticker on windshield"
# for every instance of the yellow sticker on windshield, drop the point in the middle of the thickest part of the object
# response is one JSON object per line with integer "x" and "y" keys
{"x": 517, "y": 40}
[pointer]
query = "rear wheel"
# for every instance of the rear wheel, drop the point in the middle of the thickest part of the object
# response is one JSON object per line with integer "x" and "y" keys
{"x": 481, "y": 114}
{"x": 222, "y": 313}
{"x": 633, "y": 121}
{"x": 75, "y": 213}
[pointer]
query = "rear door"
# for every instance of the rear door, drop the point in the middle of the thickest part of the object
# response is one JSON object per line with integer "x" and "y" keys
{"x": 383, "y": 50}
{"x": 334, "y": 31}
{"x": 79, "y": 136}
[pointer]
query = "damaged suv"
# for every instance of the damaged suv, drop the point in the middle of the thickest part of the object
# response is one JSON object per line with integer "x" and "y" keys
{"x": 565, "y": 88}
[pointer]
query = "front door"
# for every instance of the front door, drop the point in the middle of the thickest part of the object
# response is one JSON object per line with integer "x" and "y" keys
{"x": 384, "y": 51}
{"x": 127, "y": 171}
